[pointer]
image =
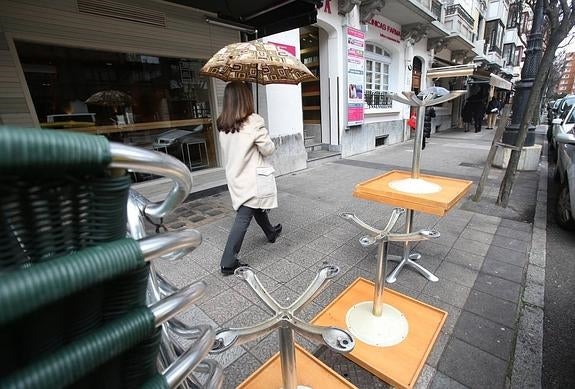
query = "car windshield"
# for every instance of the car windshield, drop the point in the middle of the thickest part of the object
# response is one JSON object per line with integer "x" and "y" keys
{"x": 571, "y": 118}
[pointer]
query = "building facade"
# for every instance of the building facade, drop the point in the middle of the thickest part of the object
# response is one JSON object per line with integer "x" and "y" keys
{"x": 131, "y": 71}
{"x": 566, "y": 84}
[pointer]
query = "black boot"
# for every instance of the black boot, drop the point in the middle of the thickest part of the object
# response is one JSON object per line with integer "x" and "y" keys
{"x": 278, "y": 230}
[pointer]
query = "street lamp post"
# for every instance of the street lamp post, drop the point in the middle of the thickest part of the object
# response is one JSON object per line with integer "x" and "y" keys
{"x": 533, "y": 56}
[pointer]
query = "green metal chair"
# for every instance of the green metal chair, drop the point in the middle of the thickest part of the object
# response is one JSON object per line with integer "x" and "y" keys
{"x": 72, "y": 287}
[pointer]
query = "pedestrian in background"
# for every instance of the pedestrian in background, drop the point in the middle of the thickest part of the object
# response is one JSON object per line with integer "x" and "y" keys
{"x": 477, "y": 106}
{"x": 429, "y": 114}
{"x": 492, "y": 111}
{"x": 467, "y": 116}
{"x": 245, "y": 143}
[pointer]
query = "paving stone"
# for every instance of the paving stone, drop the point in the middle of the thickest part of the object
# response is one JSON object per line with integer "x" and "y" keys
{"x": 456, "y": 273}
{"x": 521, "y": 226}
{"x": 432, "y": 249}
{"x": 478, "y": 236}
{"x": 239, "y": 370}
{"x": 441, "y": 381}
{"x": 284, "y": 295}
{"x": 425, "y": 377}
{"x": 507, "y": 255}
{"x": 332, "y": 291}
{"x": 471, "y": 246}
{"x": 266, "y": 347}
{"x": 536, "y": 274}
{"x": 483, "y": 226}
{"x": 214, "y": 212}
{"x": 511, "y": 243}
{"x": 197, "y": 218}
{"x": 324, "y": 245}
{"x": 465, "y": 258}
{"x": 534, "y": 294}
{"x": 282, "y": 246}
{"x": 447, "y": 291}
{"x": 301, "y": 235}
{"x": 225, "y": 305}
{"x": 319, "y": 227}
{"x": 498, "y": 287}
{"x": 437, "y": 350}
{"x": 478, "y": 217}
{"x": 348, "y": 254}
{"x": 176, "y": 225}
{"x": 515, "y": 234}
{"x": 283, "y": 270}
{"x": 242, "y": 287}
{"x": 503, "y": 270}
{"x": 471, "y": 366}
{"x": 447, "y": 238}
{"x": 452, "y": 311}
{"x": 492, "y": 308}
{"x": 485, "y": 334}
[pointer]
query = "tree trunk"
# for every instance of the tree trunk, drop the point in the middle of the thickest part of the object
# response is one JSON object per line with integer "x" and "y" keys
{"x": 532, "y": 103}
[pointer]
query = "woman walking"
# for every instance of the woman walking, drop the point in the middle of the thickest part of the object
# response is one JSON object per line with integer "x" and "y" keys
{"x": 245, "y": 142}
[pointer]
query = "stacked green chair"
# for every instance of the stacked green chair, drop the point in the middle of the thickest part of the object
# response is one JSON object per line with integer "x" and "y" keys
{"x": 73, "y": 287}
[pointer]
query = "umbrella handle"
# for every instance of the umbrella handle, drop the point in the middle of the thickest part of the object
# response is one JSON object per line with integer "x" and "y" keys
{"x": 160, "y": 164}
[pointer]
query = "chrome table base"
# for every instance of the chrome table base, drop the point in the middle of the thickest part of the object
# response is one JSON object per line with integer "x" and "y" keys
{"x": 284, "y": 318}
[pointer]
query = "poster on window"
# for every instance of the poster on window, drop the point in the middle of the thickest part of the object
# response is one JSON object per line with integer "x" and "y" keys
{"x": 355, "y": 76}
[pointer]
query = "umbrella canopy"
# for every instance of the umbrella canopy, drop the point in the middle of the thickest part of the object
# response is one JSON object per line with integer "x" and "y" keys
{"x": 111, "y": 98}
{"x": 256, "y": 61}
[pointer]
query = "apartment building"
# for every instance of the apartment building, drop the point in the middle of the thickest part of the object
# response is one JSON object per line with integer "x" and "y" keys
{"x": 567, "y": 79}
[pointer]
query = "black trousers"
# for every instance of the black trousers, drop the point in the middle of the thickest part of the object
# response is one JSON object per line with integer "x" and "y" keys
{"x": 238, "y": 232}
{"x": 477, "y": 121}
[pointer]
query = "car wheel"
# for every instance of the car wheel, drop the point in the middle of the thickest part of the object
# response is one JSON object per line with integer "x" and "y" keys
{"x": 564, "y": 214}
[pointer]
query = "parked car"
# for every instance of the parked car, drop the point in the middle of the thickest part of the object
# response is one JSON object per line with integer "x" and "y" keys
{"x": 566, "y": 175}
{"x": 562, "y": 124}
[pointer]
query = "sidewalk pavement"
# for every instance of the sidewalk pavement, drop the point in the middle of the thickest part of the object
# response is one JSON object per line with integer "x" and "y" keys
{"x": 481, "y": 260}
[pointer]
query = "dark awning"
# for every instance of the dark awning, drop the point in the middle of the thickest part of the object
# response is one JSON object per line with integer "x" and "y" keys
{"x": 266, "y": 16}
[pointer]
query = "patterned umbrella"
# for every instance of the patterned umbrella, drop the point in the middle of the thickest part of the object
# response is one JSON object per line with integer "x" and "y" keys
{"x": 256, "y": 61}
{"x": 110, "y": 98}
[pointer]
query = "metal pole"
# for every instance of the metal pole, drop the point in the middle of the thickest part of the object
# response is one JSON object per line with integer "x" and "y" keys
{"x": 380, "y": 278}
{"x": 287, "y": 358}
{"x": 408, "y": 224}
{"x": 418, "y": 142}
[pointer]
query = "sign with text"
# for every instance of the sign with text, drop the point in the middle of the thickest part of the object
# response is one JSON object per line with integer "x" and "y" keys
{"x": 287, "y": 48}
{"x": 355, "y": 76}
{"x": 386, "y": 28}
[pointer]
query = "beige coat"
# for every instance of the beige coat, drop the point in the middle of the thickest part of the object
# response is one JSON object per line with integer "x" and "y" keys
{"x": 250, "y": 178}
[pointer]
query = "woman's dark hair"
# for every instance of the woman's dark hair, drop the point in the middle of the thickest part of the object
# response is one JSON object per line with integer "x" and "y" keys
{"x": 238, "y": 106}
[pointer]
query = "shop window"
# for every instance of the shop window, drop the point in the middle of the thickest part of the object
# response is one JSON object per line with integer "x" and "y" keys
{"x": 377, "y": 64}
{"x": 150, "y": 101}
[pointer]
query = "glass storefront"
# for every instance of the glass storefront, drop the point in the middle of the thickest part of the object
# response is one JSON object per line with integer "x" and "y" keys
{"x": 149, "y": 101}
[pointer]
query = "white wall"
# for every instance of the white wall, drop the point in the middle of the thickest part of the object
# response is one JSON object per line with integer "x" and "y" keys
{"x": 283, "y": 106}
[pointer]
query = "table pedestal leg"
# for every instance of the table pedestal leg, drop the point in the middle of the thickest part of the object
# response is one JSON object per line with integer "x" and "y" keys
{"x": 409, "y": 258}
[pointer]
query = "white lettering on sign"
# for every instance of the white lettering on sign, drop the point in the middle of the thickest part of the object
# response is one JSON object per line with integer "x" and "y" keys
{"x": 386, "y": 31}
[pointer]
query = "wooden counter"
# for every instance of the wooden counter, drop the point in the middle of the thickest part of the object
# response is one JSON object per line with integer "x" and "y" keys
{"x": 103, "y": 130}
{"x": 378, "y": 189}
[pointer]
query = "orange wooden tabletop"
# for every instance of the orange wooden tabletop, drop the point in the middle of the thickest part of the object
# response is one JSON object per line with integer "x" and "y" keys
{"x": 378, "y": 189}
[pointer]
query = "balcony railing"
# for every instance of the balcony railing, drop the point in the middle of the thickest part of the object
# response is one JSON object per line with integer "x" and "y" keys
{"x": 377, "y": 99}
{"x": 458, "y": 9}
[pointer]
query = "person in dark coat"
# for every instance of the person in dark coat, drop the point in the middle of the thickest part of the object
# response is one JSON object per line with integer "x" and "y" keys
{"x": 492, "y": 111}
{"x": 467, "y": 115}
{"x": 429, "y": 114}
{"x": 477, "y": 105}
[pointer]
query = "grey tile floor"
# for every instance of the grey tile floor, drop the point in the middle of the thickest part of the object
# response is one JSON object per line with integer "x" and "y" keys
{"x": 481, "y": 260}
